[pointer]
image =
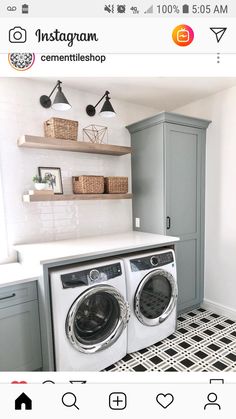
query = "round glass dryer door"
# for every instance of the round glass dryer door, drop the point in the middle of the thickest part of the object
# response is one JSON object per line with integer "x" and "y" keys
{"x": 97, "y": 318}
{"x": 155, "y": 297}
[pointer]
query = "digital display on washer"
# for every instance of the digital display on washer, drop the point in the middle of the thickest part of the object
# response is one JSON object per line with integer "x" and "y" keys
{"x": 80, "y": 278}
{"x": 150, "y": 262}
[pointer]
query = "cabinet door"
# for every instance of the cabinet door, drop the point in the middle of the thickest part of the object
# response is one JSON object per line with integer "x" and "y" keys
{"x": 20, "y": 347}
{"x": 184, "y": 206}
{"x": 147, "y": 179}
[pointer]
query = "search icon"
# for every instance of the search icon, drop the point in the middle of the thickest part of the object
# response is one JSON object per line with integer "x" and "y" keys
{"x": 69, "y": 400}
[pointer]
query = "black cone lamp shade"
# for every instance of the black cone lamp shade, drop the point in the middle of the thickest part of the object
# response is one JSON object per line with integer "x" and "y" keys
{"x": 60, "y": 102}
{"x": 107, "y": 110}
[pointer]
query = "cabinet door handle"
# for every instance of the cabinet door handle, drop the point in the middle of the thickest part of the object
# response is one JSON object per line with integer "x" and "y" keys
{"x": 8, "y": 296}
{"x": 168, "y": 223}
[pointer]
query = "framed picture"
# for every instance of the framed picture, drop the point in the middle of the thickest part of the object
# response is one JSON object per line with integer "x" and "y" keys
{"x": 53, "y": 176}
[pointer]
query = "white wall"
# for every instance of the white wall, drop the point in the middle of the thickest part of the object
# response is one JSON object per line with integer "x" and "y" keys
{"x": 220, "y": 245}
{"x": 21, "y": 113}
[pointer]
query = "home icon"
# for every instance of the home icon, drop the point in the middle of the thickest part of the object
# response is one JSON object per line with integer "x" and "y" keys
{"x": 23, "y": 402}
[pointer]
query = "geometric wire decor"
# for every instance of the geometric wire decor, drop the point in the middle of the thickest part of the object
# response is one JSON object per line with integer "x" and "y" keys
{"x": 95, "y": 134}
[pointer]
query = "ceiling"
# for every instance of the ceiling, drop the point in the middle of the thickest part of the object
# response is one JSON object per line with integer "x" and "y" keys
{"x": 160, "y": 93}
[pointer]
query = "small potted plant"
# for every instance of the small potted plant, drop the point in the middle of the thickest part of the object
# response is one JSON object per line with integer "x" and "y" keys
{"x": 39, "y": 183}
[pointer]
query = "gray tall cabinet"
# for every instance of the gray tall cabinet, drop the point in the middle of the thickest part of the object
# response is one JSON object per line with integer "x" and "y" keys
{"x": 168, "y": 184}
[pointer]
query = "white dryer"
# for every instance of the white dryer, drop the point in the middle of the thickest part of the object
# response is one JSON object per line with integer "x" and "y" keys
{"x": 152, "y": 295}
{"x": 89, "y": 315}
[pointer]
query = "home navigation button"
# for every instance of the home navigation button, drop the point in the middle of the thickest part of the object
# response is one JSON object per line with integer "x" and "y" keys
{"x": 23, "y": 402}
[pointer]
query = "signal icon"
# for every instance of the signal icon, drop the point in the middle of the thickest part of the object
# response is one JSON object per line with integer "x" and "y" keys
{"x": 149, "y": 10}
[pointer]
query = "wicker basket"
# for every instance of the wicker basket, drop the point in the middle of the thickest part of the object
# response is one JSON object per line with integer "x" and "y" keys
{"x": 64, "y": 129}
{"x": 88, "y": 184}
{"x": 116, "y": 184}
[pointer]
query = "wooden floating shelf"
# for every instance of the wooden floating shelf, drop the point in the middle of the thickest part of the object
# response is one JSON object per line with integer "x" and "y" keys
{"x": 30, "y": 141}
{"x": 73, "y": 197}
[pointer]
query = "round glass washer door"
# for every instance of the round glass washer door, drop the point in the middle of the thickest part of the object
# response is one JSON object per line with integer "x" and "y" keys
{"x": 155, "y": 297}
{"x": 97, "y": 318}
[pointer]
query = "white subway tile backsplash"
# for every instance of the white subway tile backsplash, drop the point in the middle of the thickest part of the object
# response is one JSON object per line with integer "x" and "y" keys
{"x": 45, "y": 221}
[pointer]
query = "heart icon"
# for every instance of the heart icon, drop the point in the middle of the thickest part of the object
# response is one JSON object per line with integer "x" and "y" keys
{"x": 165, "y": 400}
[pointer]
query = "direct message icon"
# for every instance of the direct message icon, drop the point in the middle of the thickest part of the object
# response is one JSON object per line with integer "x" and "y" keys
{"x": 219, "y": 33}
{"x": 165, "y": 400}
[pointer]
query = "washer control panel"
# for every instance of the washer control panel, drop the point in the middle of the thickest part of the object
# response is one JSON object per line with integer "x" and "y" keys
{"x": 150, "y": 262}
{"x": 91, "y": 276}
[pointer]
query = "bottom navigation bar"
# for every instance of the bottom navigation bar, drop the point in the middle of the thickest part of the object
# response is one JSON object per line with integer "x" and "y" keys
{"x": 103, "y": 400}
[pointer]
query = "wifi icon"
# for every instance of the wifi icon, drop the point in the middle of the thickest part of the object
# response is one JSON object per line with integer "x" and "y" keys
{"x": 149, "y": 10}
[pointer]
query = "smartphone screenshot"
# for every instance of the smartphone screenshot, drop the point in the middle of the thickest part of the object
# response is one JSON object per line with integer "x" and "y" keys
{"x": 117, "y": 208}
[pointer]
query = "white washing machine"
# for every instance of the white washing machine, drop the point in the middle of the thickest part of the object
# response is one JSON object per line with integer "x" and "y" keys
{"x": 152, "y": 295}
{"x": 90, "y": 315}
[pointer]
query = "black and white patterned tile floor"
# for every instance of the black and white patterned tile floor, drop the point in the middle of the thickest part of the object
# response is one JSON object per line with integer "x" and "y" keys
{"x": 203, "y": 341}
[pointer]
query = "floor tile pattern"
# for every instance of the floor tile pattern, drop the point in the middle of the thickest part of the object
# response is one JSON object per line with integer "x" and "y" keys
{"x": 204, "y": 341}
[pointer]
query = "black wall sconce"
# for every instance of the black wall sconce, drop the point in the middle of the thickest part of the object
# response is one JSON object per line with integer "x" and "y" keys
{"x": 60, "y": 102}
{"x": 107, "y": 110}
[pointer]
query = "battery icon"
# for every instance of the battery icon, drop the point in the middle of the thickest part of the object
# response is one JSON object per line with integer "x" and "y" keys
{"x": 185, "y": 8}
{"x": 25, "y": 9}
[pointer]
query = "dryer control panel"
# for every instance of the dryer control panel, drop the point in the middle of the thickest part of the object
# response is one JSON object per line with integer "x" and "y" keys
{"x": 91, "y": 276}
{"x": 150, "y": 262}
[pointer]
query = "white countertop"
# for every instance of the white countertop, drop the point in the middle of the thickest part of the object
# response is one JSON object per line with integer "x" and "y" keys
{"x": 12, "y": 273}
{"x": 52, "y": 252}
{"x": 34, "y": 255}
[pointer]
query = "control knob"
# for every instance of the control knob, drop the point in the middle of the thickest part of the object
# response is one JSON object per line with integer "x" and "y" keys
{"x": 154, "y": 261}
{"x": 94, "y": 275}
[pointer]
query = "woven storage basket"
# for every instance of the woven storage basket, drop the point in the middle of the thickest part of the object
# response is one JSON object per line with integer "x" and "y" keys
{"x": 64, "y": 129}
{"x": 116, "y": 184}
{"x": 88, "y": 184}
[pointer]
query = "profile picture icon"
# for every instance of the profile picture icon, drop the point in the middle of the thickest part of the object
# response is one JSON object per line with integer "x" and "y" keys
{"x": 21, "y": 61}
{"x": 212, "y": 401}
{"x": 17, "y": 35}
{"x": 183, "y": 35}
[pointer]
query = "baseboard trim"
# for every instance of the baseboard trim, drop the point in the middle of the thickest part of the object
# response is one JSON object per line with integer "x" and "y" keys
{"x": 186, "y": 309}
{"x": 219, "y": 309}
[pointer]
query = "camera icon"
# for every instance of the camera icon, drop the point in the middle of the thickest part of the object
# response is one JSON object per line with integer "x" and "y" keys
{"x": 17, "y": 35}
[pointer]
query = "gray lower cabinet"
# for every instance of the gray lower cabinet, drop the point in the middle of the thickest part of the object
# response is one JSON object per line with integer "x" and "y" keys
{"x": 20, "y": 343}
{"x": 168, "y": 185}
